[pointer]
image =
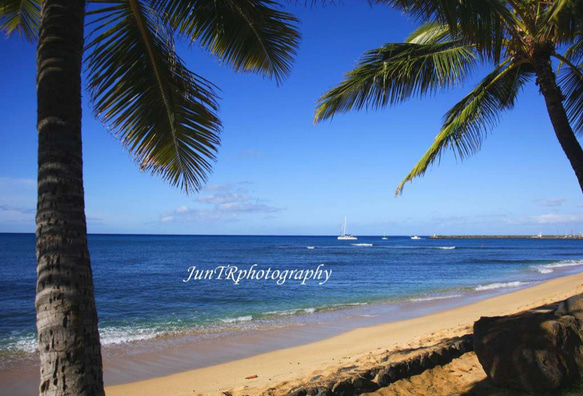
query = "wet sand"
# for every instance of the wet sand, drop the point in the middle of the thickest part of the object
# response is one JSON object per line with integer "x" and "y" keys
{"x": 292, "y": 351}
{"x": 285, "y": 368}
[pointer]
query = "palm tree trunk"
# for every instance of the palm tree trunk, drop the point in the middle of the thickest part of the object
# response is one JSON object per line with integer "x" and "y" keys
{"x": 546, "y": 80}
{"x": 70, "y": 353}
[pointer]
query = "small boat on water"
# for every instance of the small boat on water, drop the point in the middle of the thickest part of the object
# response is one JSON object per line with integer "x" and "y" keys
{"x": 384, "y": 238}
{"x": 344, "y": 236}
{"x": 415, "y": 237}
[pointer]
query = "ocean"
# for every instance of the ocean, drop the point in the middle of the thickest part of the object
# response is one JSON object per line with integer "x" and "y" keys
{"x": 143, "y": 291}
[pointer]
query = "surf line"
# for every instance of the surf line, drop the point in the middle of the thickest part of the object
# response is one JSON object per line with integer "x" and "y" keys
{"x": 236, "y": 274}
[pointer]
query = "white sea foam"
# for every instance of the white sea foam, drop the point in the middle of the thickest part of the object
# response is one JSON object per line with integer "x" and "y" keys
{"x": 120, "y": 335}
{"x": 238, "y": 319}
{"x": 500, "y": 285}
{"x": 446, "y": 247}
{"x": 108, "y": 336}
{"x": 292, "y": 311}
{"x": 28, "y": 344}
{"x": 548, "y": 268}
{"x": 362, "y": 244}
{"x": 431, "y": 298}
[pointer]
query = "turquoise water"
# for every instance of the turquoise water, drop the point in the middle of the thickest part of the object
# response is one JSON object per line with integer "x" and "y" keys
{"x": 141, "y": 293}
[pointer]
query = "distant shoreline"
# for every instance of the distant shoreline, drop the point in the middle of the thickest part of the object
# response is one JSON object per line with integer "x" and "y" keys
{"x": 512, "y": 236}
{"x": 506, "y": 237}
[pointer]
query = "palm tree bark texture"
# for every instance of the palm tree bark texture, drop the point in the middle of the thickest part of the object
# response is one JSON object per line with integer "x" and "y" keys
{"x": 546, "y": 80}
{"x": 68, "y": 337}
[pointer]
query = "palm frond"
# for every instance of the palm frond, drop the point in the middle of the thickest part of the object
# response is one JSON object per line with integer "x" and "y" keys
{"x": 575, "y": 52}
{"x": 563, "y": 19}
{"x": 468, "y": 122}
{"x": 571, "y": 83}
{"x": 249, "y": 35}
{"x": 430, "y": 32}
{"x": 22, "y": 16}
{"x": 162, "y": 112}
{"x": 482, "y": 22}
{"x": 395, "y": 73}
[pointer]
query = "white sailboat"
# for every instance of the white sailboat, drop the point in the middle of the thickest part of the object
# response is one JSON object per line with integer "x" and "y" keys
{"x": 415, "y": 237}
{"x": 344, "y": 236}
{"x": 384, "y": 238}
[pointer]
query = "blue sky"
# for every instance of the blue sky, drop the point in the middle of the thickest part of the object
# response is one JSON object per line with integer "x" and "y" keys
{"x": 277, "y": 173}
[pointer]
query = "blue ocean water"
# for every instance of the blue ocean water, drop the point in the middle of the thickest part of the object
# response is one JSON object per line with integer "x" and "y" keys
{"x": 141, "y": 293}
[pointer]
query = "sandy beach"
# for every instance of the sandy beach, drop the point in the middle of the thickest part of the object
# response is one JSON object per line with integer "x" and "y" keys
{"x": 363, "y": 347}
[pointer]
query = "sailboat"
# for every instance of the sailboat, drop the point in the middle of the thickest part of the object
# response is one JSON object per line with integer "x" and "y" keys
{"x": 344, "y": 236}
{"x": 384, "y": 238}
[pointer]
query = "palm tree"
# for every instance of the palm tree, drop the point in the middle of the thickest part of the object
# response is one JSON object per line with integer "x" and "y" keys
{"x": 517, "y": 37}
{"x": 165, "y": 114}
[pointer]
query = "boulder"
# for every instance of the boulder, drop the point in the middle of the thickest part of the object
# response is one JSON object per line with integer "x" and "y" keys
{"x": 535, "y": 351}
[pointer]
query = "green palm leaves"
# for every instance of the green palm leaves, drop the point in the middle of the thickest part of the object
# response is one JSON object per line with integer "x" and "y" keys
{"x": 162, "y": 112}
{"x": 22, "y": 16}
{"x": 397, "y": 72}
{"x": 250, "y": 35}
{"x": 440, "y": 53}
{"x": 468, "y": 122}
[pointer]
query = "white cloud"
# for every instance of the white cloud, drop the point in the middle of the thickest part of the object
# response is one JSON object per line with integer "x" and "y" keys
{"x": 17, "y": 201}
{"x": 250, "y": 153}
{"x": 22, "y": 210}
{"x": 553, "y": 218}
{"x": 17, "y": 182}
{"x": 551, "y": 202}
{"x": 223, "y": 198}
{"x": 228, "y": 202}
{"x": 217, "y": 187}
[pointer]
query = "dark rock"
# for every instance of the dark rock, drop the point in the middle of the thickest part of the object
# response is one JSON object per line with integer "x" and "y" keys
{"x": 453, "y": 352}
{"x": 401, "y": 370}
{"x": 415, "y": 367}
{"x": 424, "y": 361}
{"x": 573, "y": 307}
{"x": 363, "y": 385}
{"x": 464, "y": 345}
{"x": 370, "y": 374}
{"x": 343, "y": 388}
{"x": 532, "y": 351}
{"x": 320, "y": 391}
{"x": 436, "y": 358}
{"x": 387, "y": 376}
{"x": 298, "y": 392}
{"x": 445, "y": 354}
{"x": 383, "y": 379}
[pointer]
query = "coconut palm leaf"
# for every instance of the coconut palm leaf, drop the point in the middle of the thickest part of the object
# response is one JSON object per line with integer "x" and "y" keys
{"x": 483, "y": 23}
{"x": 250, "y": 35}
{"x": 397, "y": 72}
{"x": 468, "y": 122}
{"x": 571, "y": 83}
{"x": 162, "y": 112}
{"x": 563, "y": 19}
{"x": 431, "y": 32}
{"x": 575, "y": 52}
{"x": 22, "y": 16}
